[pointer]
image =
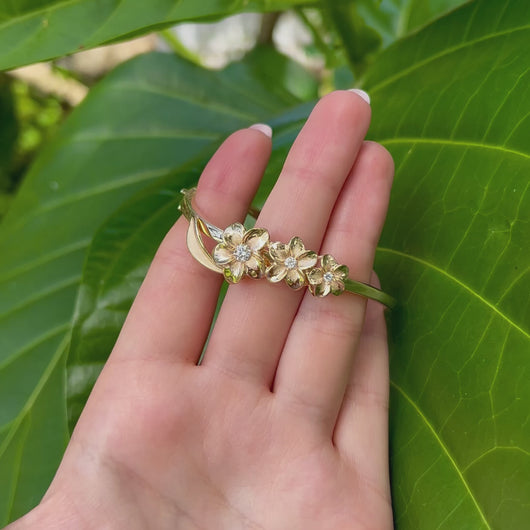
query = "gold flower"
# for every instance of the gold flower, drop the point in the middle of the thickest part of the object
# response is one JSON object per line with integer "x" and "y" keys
{"x": 290, "y": 262}
{"x": 239, "y": 253}
{"x": 327, "y": 279}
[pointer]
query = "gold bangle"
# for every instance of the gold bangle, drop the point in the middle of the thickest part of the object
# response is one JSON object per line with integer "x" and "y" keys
{"x": 240, "y": 252}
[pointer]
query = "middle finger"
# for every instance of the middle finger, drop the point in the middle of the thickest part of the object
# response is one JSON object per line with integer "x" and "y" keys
{"x": 255, "y": 318}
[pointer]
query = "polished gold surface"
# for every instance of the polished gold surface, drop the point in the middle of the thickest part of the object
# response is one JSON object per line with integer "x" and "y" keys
{"x": 290, "y": 263}
{"x": 249, "y": 253}
{"x": 197, "y": 248}
{"x": 241, "y": 253}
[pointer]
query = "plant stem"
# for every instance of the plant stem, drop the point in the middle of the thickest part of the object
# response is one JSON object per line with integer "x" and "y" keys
{"x": 178, "y": 48}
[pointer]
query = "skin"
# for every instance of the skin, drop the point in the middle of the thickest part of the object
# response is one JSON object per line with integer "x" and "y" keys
{"x": 284, "y": 424}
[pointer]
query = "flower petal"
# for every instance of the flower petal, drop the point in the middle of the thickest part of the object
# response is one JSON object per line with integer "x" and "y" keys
{"x": 222, "y": 255}
{"x": 337, "y": 286}
{"x": 256, "y": 238}
{"x": 315, "y": 276}
{"x": 307, "y": 259}
{"x": 341, "y": 272}
{"x": 233, "y": 235}
{"x": 278, "y": 252}
{"x": 322, "y": 289}
{"x": 296, "y": 247}
{"x": 255, "y": 266}
{"x": 295, "y": 279}
{"x": 276, "y": 272}
{"x": 329, "y": 262}
{"x": 234, "y": 273}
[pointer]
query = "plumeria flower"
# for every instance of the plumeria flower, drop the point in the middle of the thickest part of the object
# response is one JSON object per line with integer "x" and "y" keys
{"x": 327, "y": 279}
{"x": 240, "y": 252}
{"x": 290, "y": 262}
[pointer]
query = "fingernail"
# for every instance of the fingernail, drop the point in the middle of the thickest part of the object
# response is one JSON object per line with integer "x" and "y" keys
{"x": 361, "y": 93}
{"x": 262, "y": 127}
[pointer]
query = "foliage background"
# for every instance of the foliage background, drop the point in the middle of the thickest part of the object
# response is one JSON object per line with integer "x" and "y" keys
{"x": 450, "y": 97}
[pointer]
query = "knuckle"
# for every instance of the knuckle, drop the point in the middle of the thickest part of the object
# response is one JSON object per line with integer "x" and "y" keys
{"x": 330, "y": 321}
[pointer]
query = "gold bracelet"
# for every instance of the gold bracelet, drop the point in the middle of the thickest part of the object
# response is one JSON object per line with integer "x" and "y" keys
{"x": 240, "y": 252}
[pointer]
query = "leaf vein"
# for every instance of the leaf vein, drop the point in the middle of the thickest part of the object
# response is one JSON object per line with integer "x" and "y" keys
{"x": 444, "y": 448}
{"x": 457, "y": 281}
{"x": 447, "y": 51}
{"x": 36, "y": 391}
{"x": 455, "y": 143}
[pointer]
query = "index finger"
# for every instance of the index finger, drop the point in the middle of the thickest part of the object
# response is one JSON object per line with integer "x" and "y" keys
{"x": 173, "y": 311}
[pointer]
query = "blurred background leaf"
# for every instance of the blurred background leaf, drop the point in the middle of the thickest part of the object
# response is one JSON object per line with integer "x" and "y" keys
{"x": 394, "y": 19}
{"x": 31, "y": 32}
{"x": 8, "y": 140}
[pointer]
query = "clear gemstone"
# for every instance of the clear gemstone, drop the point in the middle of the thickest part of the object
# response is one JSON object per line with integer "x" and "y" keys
{"x": 291, "y": 262}
{"x": 242, "y": 253}
{"x": 215, "y": 232}
{"x": 328, "y": 276}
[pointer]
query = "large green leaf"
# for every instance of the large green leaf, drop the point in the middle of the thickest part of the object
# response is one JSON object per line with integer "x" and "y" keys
{"x": 452, "y": 103}
{"x": 116, "y": 264}
{"x": 32, "y": 31}
{"x": 151, "y": 116}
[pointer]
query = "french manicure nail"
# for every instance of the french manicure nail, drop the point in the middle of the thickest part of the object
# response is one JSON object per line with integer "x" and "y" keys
{"x": 262, "y": 127}
{"x": 361, "y": 93}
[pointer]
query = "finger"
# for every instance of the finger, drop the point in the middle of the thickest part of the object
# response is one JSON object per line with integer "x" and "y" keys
{"x": 361, "y": 432}
{"x": 173, "y": 310}
{"x": 316, "y": 362}
{"x": 255, "y": 318}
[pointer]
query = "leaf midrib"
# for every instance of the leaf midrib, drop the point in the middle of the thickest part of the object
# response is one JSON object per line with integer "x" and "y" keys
{"x": 441, "y": 271}
{"x": 459, "y": 143}
{"x": 447, "y": 51}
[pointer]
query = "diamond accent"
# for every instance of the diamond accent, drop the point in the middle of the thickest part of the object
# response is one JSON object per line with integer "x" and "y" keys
{"x": 291, "y": 263}
{"x": 215, "y": 232}
{"x": 242, "y": 253}
{"x": 328, "y": 277}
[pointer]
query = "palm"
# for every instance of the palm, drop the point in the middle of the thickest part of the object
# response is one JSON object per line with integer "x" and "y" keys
{"x": 284, "y": 424}
{"x": 225, "y": 451}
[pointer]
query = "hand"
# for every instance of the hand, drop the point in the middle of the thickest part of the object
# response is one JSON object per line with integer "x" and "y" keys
{"x": 284, "y": 424}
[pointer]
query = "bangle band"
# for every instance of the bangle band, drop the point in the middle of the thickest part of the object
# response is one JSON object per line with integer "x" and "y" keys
{"x": 240, "y": 252}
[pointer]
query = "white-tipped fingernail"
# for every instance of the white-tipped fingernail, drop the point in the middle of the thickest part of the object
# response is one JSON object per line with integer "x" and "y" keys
{"x": 262, "y": 127}
{"x": 361, "y": 93}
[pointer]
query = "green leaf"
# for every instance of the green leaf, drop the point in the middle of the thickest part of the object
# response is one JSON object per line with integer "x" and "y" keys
{"x": 452, "y": 103}
{"x": 5, "y": 200}
{"x": 8, "y": 135}
{"x": 152, "y": 116}
{"x": 116, "y": 263}
{"x": 360, "y": 40}
{"x": 35, "y": 31}
{"x": 279, "y": 74}
{"x": 417, "y": 13}
{"x": 393, "y": 19}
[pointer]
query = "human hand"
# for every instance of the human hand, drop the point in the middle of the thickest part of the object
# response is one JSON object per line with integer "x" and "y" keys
{"x": 284, "y": 424}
